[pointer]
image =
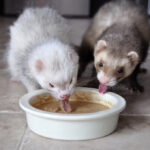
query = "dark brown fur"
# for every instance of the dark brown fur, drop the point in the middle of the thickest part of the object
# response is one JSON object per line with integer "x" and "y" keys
{"x": 123, "y": 38}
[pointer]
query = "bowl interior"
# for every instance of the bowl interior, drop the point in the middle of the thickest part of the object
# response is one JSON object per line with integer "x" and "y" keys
{"x": 82, "y": 101}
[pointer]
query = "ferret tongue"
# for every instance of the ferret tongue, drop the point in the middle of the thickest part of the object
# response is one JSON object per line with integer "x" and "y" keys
{"x": 65, "y": 106}
{"x": 102, "y": 88}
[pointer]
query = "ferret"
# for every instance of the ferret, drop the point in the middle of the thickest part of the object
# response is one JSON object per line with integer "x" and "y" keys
{"x": 39, "y": 53}
{"x": 117, "y": 40}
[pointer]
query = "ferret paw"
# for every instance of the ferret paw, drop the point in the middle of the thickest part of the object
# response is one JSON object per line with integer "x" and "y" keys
{"x": 143, "y": 70}
{"x": 136, "y": 88}
{"x": 14, "y": 79}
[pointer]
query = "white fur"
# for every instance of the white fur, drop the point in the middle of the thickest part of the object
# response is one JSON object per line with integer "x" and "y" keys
{"x": 133, "y": 53}
{"x": 112, "y": 80}
{"x": 41, "y": 33}
{"x": 101, "y": 44}
{"x": 100, "y": 74}
{"x": 58, "y": 67}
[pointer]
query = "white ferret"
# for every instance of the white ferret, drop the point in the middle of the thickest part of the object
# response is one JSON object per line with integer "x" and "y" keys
{"x": 39, "y": 53}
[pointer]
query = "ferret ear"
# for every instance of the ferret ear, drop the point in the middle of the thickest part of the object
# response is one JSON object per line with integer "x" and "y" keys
{"x": 101, "y": 44}
{"x": 38, "y": 65}
{"x": 70, "y": 55}
{"x": 133, "y": 57}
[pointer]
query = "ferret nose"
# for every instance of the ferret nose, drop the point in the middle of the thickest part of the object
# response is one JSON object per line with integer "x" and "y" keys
{"x": 65, "y": 96}
{"x": 104, "y": 80}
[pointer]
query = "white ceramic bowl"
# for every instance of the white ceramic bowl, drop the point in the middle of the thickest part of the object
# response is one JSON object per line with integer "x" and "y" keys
{"x": 73, "y": 126}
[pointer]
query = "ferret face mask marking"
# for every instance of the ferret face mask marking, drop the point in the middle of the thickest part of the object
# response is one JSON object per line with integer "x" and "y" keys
{"x": 110, "y": 69}
{"x": 108, "y": 75}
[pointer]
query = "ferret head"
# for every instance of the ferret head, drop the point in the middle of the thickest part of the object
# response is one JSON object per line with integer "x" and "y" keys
{"x": 112, "y": 68}
{"x": 55, "y": 67}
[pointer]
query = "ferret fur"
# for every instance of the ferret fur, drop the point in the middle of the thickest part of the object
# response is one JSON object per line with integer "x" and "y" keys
{"x": 122, "y": 28}
{"x": 122, "y": 11}
{"x": 39, "y": 53}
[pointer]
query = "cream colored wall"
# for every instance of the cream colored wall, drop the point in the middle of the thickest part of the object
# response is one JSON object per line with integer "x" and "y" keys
{"x": 65, "y": 7}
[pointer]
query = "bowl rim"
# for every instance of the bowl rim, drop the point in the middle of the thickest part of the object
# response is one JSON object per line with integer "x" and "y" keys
{"x": 24, "y": 103}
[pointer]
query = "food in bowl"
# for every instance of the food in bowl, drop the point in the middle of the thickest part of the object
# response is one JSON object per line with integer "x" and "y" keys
{"x": 80, "y": 101}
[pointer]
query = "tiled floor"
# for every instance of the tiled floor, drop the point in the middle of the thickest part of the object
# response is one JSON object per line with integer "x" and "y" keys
{"x": 133, "y": 132}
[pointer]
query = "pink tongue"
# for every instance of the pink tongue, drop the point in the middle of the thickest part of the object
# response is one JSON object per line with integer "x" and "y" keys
{"x": 102, "y": 88}
{"x": 65, "y": 106}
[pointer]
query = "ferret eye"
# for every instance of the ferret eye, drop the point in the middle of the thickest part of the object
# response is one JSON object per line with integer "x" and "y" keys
{"x": 70, "y": 81}
{"x": 120, "y": 70}
{"x": 100, "y": 64}
{"x": 51, "y": 85}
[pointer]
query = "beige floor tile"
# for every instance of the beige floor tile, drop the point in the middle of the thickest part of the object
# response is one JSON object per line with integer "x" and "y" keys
{"x": 133, "y": 133}
{"x": 12, "y": 127}
{"x": 9, "y": 92}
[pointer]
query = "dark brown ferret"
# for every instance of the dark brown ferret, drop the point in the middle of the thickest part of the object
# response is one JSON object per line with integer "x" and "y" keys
{"x": 118, "y": 38}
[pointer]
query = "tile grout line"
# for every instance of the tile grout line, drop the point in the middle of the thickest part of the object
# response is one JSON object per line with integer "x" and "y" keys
{"x": 19, "y": 147}
{"x": 135, "y": 115}
{"x": 10, "y": 112}
{"x": 19, "y": 112}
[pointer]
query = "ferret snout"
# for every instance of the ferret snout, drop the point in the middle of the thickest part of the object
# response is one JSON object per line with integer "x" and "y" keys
{"x": 104, "y": 80}
{"x": 65, "y": 96}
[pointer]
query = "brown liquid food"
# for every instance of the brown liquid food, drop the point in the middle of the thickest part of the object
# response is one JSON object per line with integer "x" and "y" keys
{"x": 80, "y": 104}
